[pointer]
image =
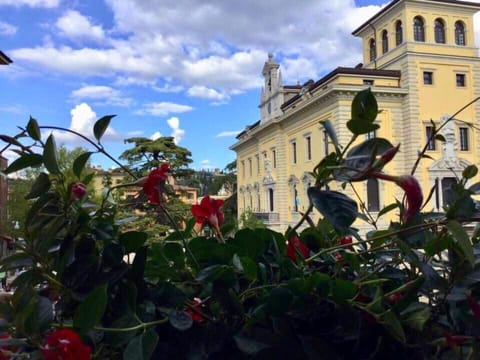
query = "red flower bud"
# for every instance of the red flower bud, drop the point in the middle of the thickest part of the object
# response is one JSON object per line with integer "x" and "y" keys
{"x": 294, "y": 245}
{"x": 196, "y": 314}
{"x": 394, "y": 298}
{"x": 346, "y": 240}
{"x": 79, "y": 190}
{"x": 338, "y": 257}
{"x": 65, "y": 344}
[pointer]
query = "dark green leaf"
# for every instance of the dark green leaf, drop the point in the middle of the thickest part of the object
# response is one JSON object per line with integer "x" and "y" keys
{"x": 416, "y": 315}
{"x": 343, "y": 290}
{"x": 101, "y": 126}
{"x": 23, "y": 162}
{"x": 80, "y": 162}
{"x": 33, "y": 130}
{"x": 463, "y": 241}
{"x": 359, "y": 127}
{"x": 246, "y": 266}
{"x": 132, "y": 240}
{"x": 248, "y": 243}
{"x": 221, "y": 273}
{"x": 393, "y": 325}
{"x": 174, "y": 252}
{"x": 44, "y": 312}
{"x": 90, "y": 311}
{"x": 50, "y": 156}
{"x": 10, "y": 140}
{"x": 436, "y": 245}
{"x": 470, "y": 172}
{"x": 180, "y": 320}
{"x": 40, "y": 186}
{"x": 249, "y": 346}
{"x": 364, "y": 106}
{"x": 440, "y": 137}
{"x": 334, "y": 206}
{"x": 387, "y": 209}
{"x": 142, "y": 346}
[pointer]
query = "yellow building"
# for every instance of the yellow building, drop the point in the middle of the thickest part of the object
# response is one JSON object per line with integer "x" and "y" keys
{"x": 420, "y": 61}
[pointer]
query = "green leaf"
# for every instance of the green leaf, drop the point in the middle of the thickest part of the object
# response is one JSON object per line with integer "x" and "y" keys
{"x": 33, "y": 130}
{"x": 249, "y": 243}
{"x": 463, "y": 241}
{"x": 336, "y": 207}
{"x": 470, "y": 172}
{"x": 132, "y": 240}
{"x": 343, "y": 290}
{"x": 40, "y": 186}
{"x": 390, "y": 321}
{"x": 246, "y": 266}
{"x": 364, "y": 106}
{"x": 10, "y": 140}
{"x": 174, "y": 252}
{"x": 440, "y": 137}
{"x": 221, "y": 273}
{"x": 101, "y": 126}
{"x": 50, "y": 156}
{"x": 142, "y": 346}
{"x": 416, "y": 315}
{"x": 91, "y": 310}
{"x": 249, "y": 346}
{"x": 180, "y": 320}
{"x": 80, "y": 162}
{"x": 23, "y": 162}
{"x": 436, "y": 245}
{"x": 387, "y": 209}
{"x": 359, "y": 127}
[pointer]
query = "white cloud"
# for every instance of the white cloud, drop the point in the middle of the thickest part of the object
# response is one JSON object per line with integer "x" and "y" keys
{"x": 13, "y": 109}
{"x": 83, "y": 120}
{"x": 206, "y": 164}
{"x": 7, "y": 29}
{"x": 163, "y": 109}
{"x": 177, "y": 132}
{"x": 206, "y": 93}
{"x": 74, "y": 25}
{"x": 31, "y": 3}
{"x": 168, "y": 88}
{"x": 134, "y": 133}
{"x": 156, "y": 135}
{"x": 228, "y": 133}
{"x": 103, "y": 95}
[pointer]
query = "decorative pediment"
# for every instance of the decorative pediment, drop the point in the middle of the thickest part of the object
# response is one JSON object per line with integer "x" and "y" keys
{"x": 268, "y": 180}
{"x": 448, "y": 165}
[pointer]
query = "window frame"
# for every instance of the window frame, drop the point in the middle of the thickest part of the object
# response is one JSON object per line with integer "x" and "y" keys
{"x": 428, "y": 81}
{"x": 308, "y": 147}
{"x": 439, "y": 31}
{"x": 398, "y": 33}
{"x": 293, "y": 144}
{"x": 373, "y": 195}
{"x": 463, "y": 135}
{"x": 372, "y": 46}
{"x": 418, "y": 29}
{"x": 384, "y": 41}
{"x": 460, "y": 36}
{"x": 431, "y": 144}
{"x": 463, "y": 82}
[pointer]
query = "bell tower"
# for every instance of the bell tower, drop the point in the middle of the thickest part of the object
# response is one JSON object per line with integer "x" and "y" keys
{"x": 272, "y": 96}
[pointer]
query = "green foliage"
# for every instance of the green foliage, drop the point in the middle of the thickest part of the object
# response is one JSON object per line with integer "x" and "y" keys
{"x": 140, "y": 290}
{"x": 250, "y": 221}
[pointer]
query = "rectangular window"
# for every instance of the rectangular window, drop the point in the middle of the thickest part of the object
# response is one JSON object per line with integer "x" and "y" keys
{"x": 428, "y": 78}
{"x": 243, "y": 169}
{"x": 274, "y": 158}
{"x": 464, "y": 138}
{"x": 428, "y": 135}
{"x": 308, "y": 141}
{"x": 368, "y": 82}
{"x": 371, "y": 135}
{"x": 325, "y": 142}
{"x": 460, "y": 80}
{"x": 250, "y": 167}
{"x": 258, "y": 164}
{"x": 294, "y": 152}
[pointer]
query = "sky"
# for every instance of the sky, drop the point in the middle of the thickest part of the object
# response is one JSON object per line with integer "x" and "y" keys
{"x": 185, "y": 68}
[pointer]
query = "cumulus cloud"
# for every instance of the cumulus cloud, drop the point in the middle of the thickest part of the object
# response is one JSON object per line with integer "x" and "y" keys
{"x": 76, "y": 26}
{"x": 7, "y": 29}
{"x": 163, "y": 109}
{"x": 83, "y": 119}
{"x": 206, "y": 164}
{"x": 156, "y": 135}
{"x": 228, "y": 133}
{"x": 177, "y": 132}
{"x": 13, "y": 109}
{"x": 158, "y": 44}
{"x": 102, "y": 95}
{"x": 31, "y": 3}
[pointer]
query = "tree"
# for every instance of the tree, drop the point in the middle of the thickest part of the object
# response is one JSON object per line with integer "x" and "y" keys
{"x": 147, "y": 154}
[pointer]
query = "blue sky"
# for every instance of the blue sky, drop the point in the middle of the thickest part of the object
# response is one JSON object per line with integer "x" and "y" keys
{"x": 187, "y": 68}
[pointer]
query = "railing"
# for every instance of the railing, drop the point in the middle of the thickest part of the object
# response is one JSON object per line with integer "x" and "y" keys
{"x": 267, "y": 217}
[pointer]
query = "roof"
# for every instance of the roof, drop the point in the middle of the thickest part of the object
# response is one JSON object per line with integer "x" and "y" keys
{"x": 395, "y": 2}
{"x": 345, "y": 71}
{"x": 4, "y": 59}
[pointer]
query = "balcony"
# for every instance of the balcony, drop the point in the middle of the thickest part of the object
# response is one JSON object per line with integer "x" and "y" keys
{"x": 267, "y": 217}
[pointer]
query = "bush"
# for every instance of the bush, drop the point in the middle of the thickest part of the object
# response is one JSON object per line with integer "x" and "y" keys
{"x": 408, "y": 291}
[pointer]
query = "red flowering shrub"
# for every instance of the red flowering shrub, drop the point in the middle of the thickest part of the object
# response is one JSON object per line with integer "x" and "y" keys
{"x": 294, "y": 245}
{"x": 79, "y": 190}
{"x": 209, "y": 213}
{"x": 153, "y": 181}
{"x": 65, "y": 344}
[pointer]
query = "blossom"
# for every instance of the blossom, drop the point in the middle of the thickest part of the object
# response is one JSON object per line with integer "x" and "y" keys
{"x": 150, "y": 185}
{"x": 65, "y": 344}
{"x": 79, "y": 190}
{"x": 294, "y": 245}
{"x": 195, "y": 314}
{"x": 394, "y": 298}
{"x": 345, "y": 240}
{"x": 209, "y": 213}
{"x": 386, "y": 157}
{"x": 412, "y": 189}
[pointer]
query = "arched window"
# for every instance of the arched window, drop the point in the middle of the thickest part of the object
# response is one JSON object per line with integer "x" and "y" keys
{"x": 384, "y": 41}
{"x": 418, "y": 29}
{"x": 373, "y": 199}
{"x": 439, "y": 31}
{"x": 460, "y": 34}
{"x": 373, "y": 50}
{"x": 398, "y": 33}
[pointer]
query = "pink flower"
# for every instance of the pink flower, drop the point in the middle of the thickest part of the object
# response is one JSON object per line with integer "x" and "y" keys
{"x": 209, "y": 213}
{"x": 65, "y": 344}
{"x": 150, "y": 185}
{"x": 79, "y": 190}
{"x": 294, "y": 245}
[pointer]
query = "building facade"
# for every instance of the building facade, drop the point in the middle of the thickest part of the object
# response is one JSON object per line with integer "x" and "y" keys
{"x": 421, "y": 63}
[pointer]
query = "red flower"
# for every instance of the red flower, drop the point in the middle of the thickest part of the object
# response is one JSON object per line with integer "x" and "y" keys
{"x": 65, "y": 344}
{"x": 338, "y": 257}
{"x": 79, "y": 190}
{"x": 294, "y": 245}
{"x": 412, "y": 189}
{"x": 150, "y": 185}
{"x": 394, "y": 298}
{"x": 346, "y": 240}
{"x": 209, "y": 213}
{"x": 195, "y": 314}
{"x": 455, "y": 340}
